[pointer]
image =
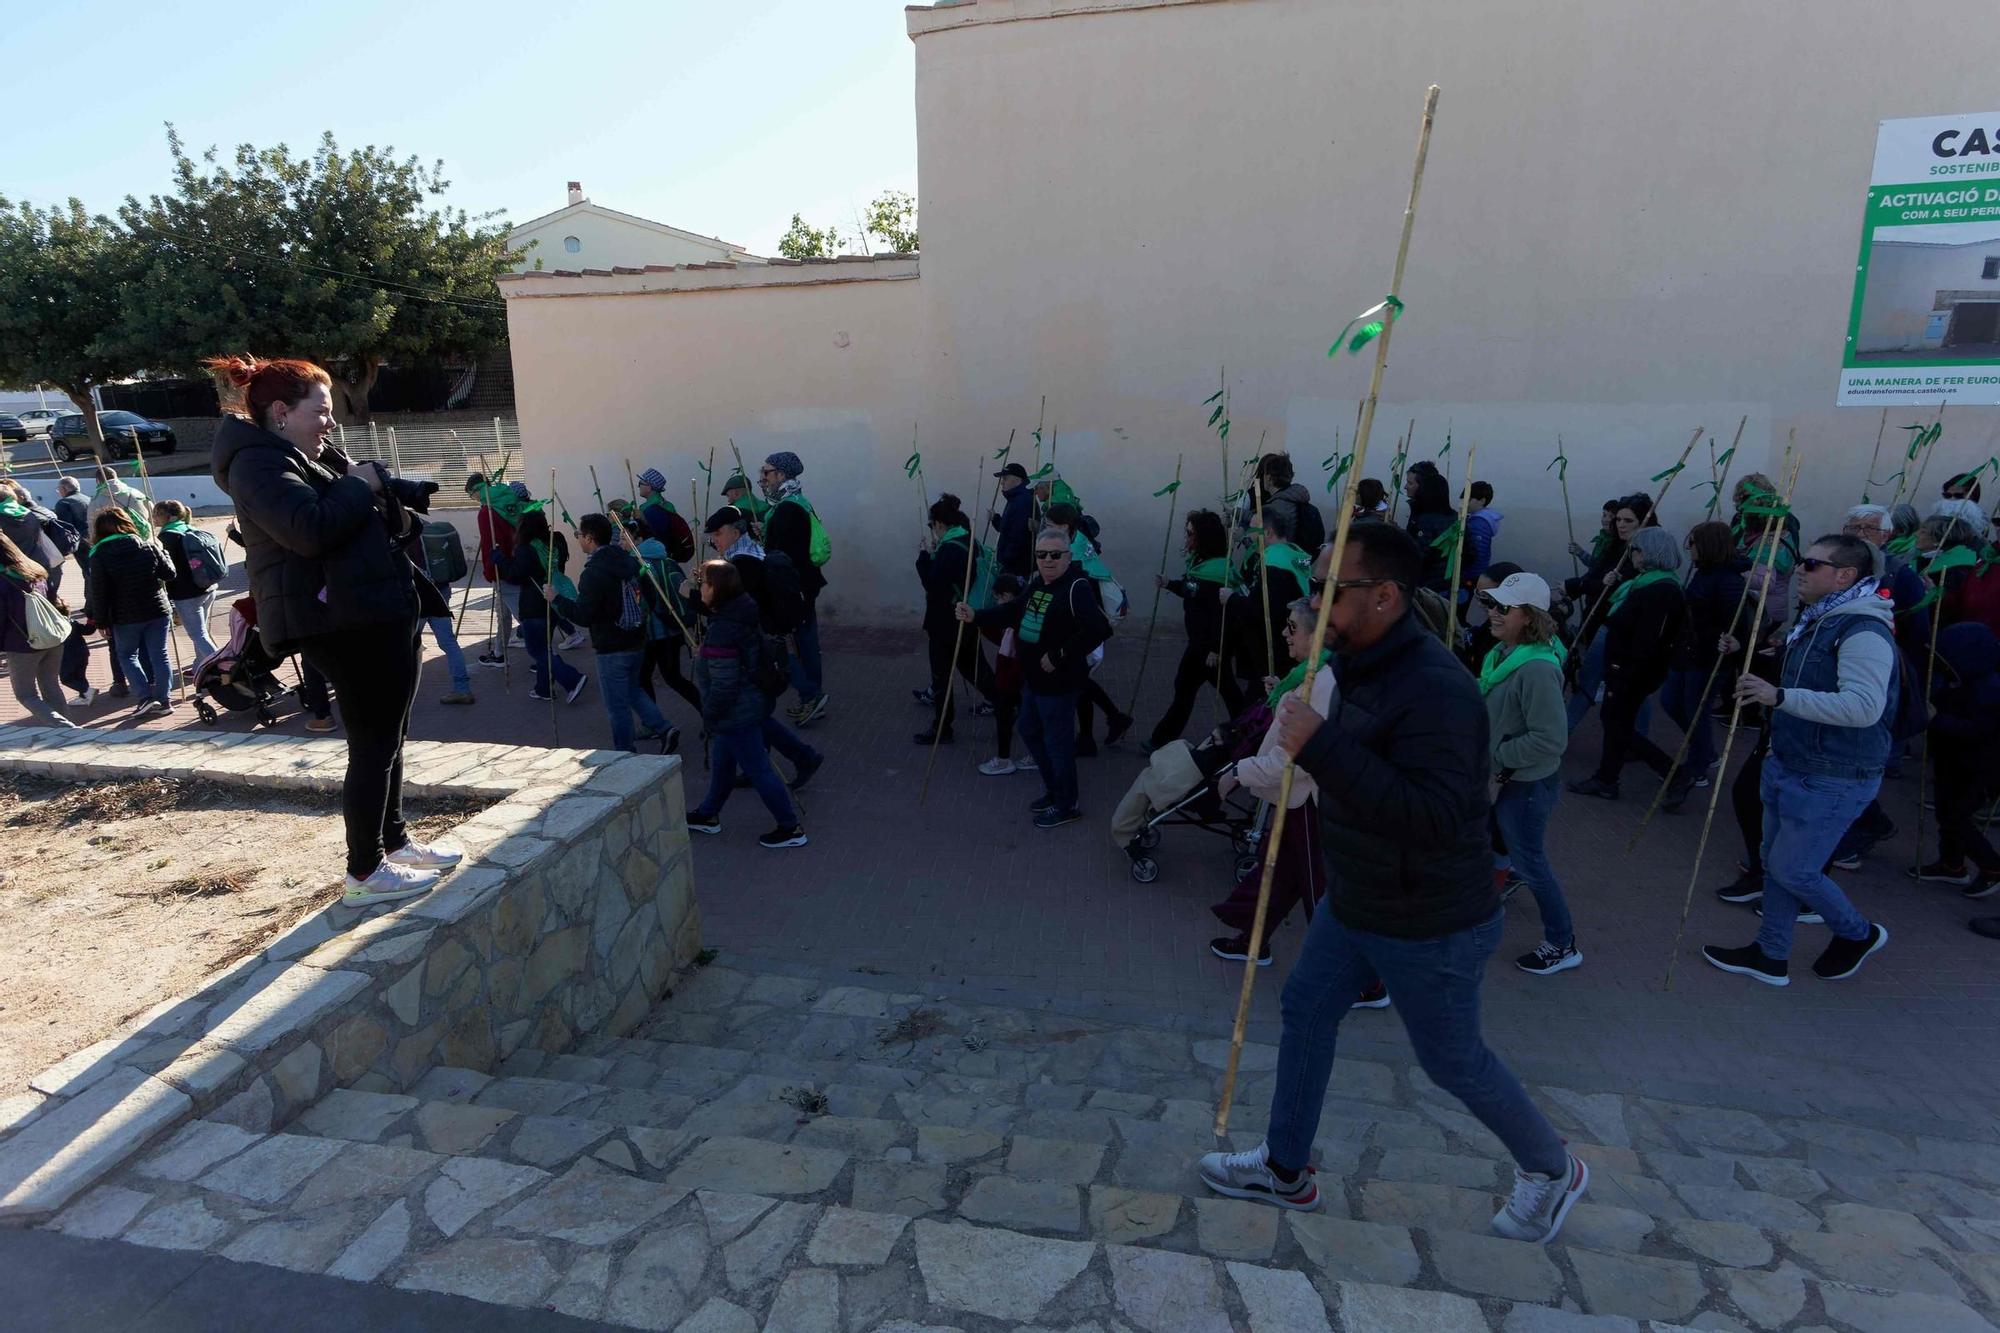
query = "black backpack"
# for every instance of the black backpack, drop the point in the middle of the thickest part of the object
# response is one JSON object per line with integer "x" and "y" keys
{"x": 60, "y": 533}
{"x": 1311, "y": 533}
{"x": 782, "y": 603}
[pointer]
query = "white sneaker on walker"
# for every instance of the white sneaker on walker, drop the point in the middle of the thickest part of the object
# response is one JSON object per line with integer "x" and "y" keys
{"x": 427, "y": 855}
{"x": 386, "y": 883}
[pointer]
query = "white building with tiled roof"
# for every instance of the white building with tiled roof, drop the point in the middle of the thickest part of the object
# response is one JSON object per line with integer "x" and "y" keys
{"x": 583, "y": 235}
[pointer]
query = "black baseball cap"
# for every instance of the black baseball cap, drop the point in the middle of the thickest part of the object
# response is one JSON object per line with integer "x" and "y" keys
{"x": 1013, "y": 470}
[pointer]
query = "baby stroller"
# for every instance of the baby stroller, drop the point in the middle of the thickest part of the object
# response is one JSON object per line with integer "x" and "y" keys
{"x": 241, "y": 674}
{"x": 1178, "y": 788}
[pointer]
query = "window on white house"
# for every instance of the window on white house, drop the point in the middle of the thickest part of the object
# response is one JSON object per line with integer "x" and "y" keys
{"x": 1992, "y": 269}
{"x": 573, "y": 245}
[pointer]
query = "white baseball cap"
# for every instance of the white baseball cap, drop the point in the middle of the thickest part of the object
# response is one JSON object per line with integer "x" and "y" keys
{"x": 1522, "y": 590}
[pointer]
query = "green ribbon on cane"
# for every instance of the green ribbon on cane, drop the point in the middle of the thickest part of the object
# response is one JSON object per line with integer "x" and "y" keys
{"x": 1722, "y": 461}
{"x": 1333, "y": 482}
{"x": 1561, "y": 463}
{"x": 1047, "y": 469}
{"x": 1372, "y": 322}
{"x": 1000, "y": 454}
{"x": 1921, "y": 437}
{"x": 1903, "y": 545}
{"x": 913, "y": 465}
{"x": 1672, "y": 471}
{"x": 1445, "y": 540}
{"x": 1167, "y": 489}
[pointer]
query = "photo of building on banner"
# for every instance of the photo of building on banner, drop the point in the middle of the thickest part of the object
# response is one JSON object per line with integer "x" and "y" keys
{"x": 1925, "y": 324}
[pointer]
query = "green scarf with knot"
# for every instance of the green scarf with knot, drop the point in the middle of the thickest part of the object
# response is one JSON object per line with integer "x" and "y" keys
{"x": 1624, "y": 590}
{"x": 1295, "y": 678}
{"x": 1214, "y": 570}
{"x": 1503, "y": 661}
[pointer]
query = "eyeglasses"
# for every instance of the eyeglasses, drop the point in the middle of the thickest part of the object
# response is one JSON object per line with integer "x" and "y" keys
{"x": 1291, "y": 628}
{"x": 1052, "y": 555}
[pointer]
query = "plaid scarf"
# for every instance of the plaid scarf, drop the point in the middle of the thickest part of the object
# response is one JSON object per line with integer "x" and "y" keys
{"x": 1807, "y": 615}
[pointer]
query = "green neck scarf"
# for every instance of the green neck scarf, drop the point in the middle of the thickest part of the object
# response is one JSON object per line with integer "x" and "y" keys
{"x": 103, "y": 542}
{"x": 1295, "y": 678}
{"x": 12, "y": 509}
{"x": 1215, "y": 570}
{"x": 1289, "y": 558}
{"x": 1503, "y": 661}
{"x": 955, "y": 535}
{"x": 175, "y": 526}
{"x": 1625, "y": 589}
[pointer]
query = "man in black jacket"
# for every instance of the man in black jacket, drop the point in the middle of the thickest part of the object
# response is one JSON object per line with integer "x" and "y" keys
{"x": 608, "y": 601}
{"x": 1059, "y": 622}
{"x": 1402, "y": 773}
{"x": 1013, "y": 549}
{"x": 789, "y": 528}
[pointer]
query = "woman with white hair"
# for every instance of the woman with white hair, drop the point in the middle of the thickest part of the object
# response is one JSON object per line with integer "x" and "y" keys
{"x": 1646, "y": 617}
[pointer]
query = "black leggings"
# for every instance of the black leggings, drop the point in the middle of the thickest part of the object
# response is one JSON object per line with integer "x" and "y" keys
{"x": 971, "y": 663}
{"x": 664, "y": 656}
{"x": 1087, "y": 704}
{"x": 374, "y": 670}
{"x": 1622, "y": 741}
{"x": 1746, "y": 796}
{"x": 1193, "y": 673}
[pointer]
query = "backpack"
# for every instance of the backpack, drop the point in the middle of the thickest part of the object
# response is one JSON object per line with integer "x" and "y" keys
{"x": 820, "y": 549}
{"x": 61, "y": 534}
{"x": 444, "y": 553}
{"x": 783, "y": 601}
{"x": 1311, "y": 529}
{"x": 41, "y": 624}
{"x": 979, "y": 596}
{"x": 205, "y": 561}
{"x": 768, "y": 674}
{"x": 631, "y": 606}
{"x": 663, "y": 522}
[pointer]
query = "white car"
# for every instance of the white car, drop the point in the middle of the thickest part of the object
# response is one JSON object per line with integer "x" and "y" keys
{"x": 39, "y": 419}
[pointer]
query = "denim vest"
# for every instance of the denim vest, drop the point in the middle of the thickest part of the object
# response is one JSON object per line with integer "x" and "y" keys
{"x": 1811, "y": 747}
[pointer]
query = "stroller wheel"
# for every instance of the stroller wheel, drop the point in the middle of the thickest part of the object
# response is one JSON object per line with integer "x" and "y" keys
{"x": 266, "y": 716}
{"x": 1145, "y": 869}
{"x": 1149, "y": 838}
{"x": 205, "y": 711}
{"x": 1246, "y": 867}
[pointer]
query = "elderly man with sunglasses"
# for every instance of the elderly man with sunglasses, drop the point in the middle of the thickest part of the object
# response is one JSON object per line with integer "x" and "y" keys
{"x": 1831, "y": 715}
{"x": 1402, "y": 770}
{"x": 1059, "y": 622}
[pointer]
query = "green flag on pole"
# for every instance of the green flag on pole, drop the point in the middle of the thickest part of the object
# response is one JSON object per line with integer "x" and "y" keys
{"x": 1372, "y": 321}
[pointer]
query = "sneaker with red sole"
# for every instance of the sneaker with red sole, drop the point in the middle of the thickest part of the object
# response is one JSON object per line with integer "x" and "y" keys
{"x": 1248, "y": 1175}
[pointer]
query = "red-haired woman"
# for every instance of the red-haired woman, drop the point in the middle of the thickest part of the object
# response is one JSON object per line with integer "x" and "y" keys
{"x": 320, "y": 537}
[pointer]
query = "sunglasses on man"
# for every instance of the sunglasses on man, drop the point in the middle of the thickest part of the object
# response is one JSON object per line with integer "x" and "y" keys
{"x": 1052, "y": 555}
{"x": 1812, "y": 562}
{"x": 1318, "y": 586}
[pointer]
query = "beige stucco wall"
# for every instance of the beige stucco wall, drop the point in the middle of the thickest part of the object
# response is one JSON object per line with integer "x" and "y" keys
{"x": 1638, "y": 218}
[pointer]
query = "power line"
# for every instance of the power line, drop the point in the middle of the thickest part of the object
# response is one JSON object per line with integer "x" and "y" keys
{"x": 383, "y": 284}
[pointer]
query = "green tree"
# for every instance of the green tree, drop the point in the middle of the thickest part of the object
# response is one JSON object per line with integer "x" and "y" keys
{"x": 893, "y": 217}
{"x": 343, "y": 257}
{"x": 63, "y": 275}
{"x": 805, "y": 241}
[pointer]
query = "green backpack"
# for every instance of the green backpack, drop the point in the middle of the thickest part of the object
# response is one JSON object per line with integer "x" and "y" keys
{"x": 821, "y": 549}
{"x": 980, "y": 595}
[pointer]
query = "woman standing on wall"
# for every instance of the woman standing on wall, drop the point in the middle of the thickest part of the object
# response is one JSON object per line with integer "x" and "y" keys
{"x": 320, "y": 537}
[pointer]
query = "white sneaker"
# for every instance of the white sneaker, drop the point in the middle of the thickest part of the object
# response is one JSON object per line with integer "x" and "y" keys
{"x": 1025, "y": 764}
{"x": 1248, "y": 1175}
{"x": 1536, "y": 1210}
{"x": 576, "y": 638}
{"x": 997, "y": 768}
{"x": 88, "y": 697}
{"x": 427, "y": 856}
{"x": 386, "y": 884}
{"x": 581, "y": 681}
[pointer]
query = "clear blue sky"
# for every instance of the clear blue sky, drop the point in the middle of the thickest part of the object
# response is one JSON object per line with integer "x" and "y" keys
{"x": 721, "y": 119}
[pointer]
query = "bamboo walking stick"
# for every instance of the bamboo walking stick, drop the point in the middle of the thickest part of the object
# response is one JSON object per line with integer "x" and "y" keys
{"x": 1728, "y": 462}
{"x": 708, "y": 489}
{"x": 691, "y": 500}
{"x": 1875, "y": 457}
{"x": 1458, "y": 553}
{"x": 1772, "y": 533}
{"x": 1264, "y": 568}
{"x": 1561, "y": 465}
{"x": 1166, "y": 549}
{"x": 549, "y": 623}
{"x": 1343, "y": 525}
{"x": 1916, "y": 488}
{"x": 943, "y": 717}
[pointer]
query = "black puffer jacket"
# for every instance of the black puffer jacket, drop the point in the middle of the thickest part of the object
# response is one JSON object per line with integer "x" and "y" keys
{"x": 600, "y": 600}
{"x": 725, "y": 668}
{"x": 1402, "y": 774}
{"x": 128, "y": 582}
{"x": 1640, "y": 634}
{"x": 317, "y": 547}
{"x": 1431, "y": 516}
{"x": 943, "y": 575}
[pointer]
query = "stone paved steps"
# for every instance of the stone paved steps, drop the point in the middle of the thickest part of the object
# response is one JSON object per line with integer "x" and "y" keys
{"x": 1047, "y": 1163}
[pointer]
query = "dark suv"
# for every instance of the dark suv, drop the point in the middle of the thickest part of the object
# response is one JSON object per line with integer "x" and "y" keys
{"x": 12, "y": 428}
{"x": 125, "y": 433}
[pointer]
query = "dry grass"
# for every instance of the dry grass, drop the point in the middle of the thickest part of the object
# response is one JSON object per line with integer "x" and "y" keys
{"x": 807, "y": 1101}
{"x": 212, "y": 882}
{"x": 31, "y": 802}
{"x": 917, "y": 1025}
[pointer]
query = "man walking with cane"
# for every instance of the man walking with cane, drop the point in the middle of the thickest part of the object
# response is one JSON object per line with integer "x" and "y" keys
{"x": 1401, "y": 768}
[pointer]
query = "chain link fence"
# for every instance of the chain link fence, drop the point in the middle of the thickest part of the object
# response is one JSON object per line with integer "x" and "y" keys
{"x": 441, "y": 454}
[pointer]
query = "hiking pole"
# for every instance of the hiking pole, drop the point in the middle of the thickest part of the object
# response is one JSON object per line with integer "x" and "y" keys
{"x": 1343, "y": 525}
{"x": 1772, "y": 532}
{"x": 943, "y": 717}
{"x": 1264, "y": 567}
{"x": 1728, "y": 461}
{"x": 698, "y": 514}
{"x": 1708, "y": 686}
{"x": 708, "y": 489}
{"x": 1875, "y": 457}
{"x": 1173, "y": 492}
{"x": 1561, "y": 465}
{"x": 1458, "y": 553}
{"x": 1041, "y": 417}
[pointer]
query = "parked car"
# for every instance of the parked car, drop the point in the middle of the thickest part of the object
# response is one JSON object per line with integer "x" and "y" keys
{"x": 39, "y": 420}
{"x": 12, "y": 428}
{"x": 124, "y": 434}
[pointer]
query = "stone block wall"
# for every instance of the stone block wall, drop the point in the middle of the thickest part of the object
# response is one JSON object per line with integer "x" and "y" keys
{"x": 571, "y": 914}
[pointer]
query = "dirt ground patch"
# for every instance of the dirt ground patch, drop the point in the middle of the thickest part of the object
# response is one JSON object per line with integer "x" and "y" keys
{"x": 121, "y": 894}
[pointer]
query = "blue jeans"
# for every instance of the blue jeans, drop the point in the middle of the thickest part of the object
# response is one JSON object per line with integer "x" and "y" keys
{"x": 193, "y": 612}
{"x": 1804, "y": 818}
{"x": 617, "y": 682}
{"x": 743, "y": 748}
{"x": 1589, "y": 679}
{"x": 454, "y": 660}
{"x": 1436, "y": 985}
{"x": 142, "y": 647}
{"x": 804, "y": 668}
{"x": 1681, "y": 697}
{"x": 1522, "y": 811}
{"x": 535, "y": 636}
{"x": 1048, "y": 728}
{"x": 777, "y": 736}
